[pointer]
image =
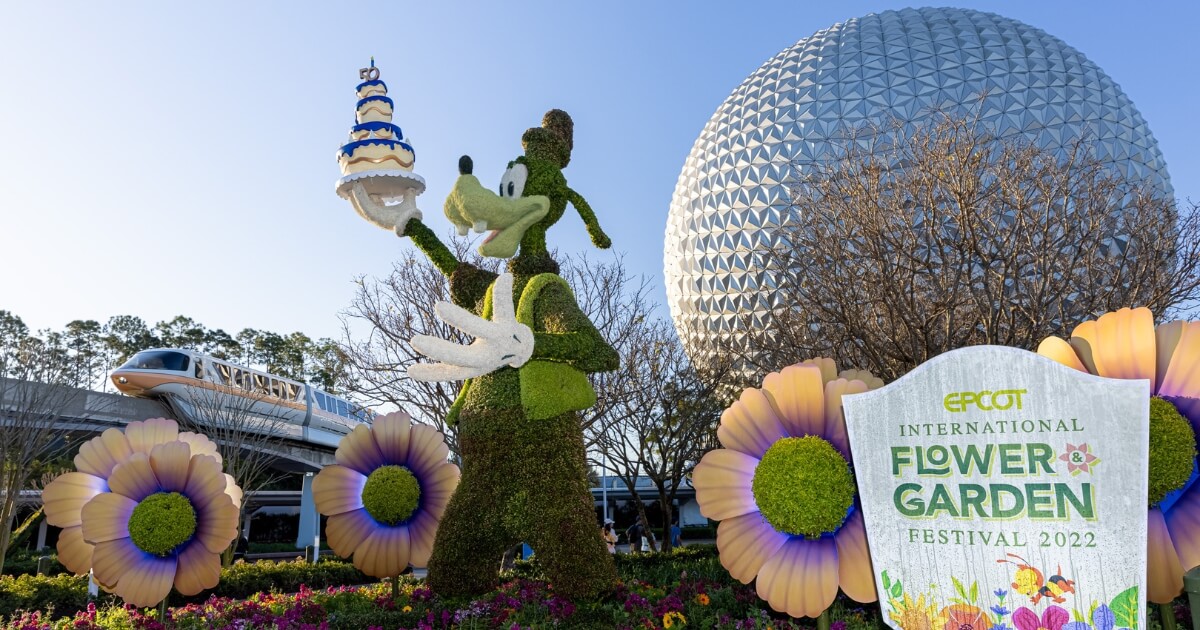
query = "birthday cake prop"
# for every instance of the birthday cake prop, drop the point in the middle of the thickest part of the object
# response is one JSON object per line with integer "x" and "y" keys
{"x": 377, "y": 163}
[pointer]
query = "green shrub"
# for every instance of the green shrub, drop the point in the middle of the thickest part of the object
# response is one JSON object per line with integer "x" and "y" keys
{"x": 25, "y": 563}
{"x": 66, "y": 594}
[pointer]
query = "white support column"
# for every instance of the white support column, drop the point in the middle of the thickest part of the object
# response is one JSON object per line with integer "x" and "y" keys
{"x": 310, "y": 521}
{"x": 41, "y": 539}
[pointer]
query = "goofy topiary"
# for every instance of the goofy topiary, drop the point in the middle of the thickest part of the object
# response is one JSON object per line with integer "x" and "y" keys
{"x": 524, "y": 473}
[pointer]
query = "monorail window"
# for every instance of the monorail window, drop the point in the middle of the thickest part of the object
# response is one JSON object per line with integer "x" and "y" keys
{"x": 341, "y": 408}
{"x": 199, "y": 369}
{"x": 261, "y": 385}
{"x": 320, "y": 400}
{"x": 223, "y": 373}
{"x": 158, "y": 360}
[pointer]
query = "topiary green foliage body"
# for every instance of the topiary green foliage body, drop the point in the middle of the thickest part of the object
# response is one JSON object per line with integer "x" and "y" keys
{"x": 524, "y": 472}
{"x": 162, "y": 522}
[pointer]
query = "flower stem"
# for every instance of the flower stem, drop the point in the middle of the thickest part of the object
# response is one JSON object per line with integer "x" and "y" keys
{"x": 162, "y": 609}
{"x": 1166, "y": 613}
{"x": 395, "y": 587}
{"x": 823, "y": 620}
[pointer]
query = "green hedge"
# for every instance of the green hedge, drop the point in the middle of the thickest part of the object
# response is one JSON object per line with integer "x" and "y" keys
{"x": 66, "y": 594}
{"x": 700, "y": 561}
{"x": 25, "y": 563}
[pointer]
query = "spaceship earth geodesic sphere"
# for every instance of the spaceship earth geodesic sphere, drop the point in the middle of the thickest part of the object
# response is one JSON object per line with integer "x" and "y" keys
{"x": 732, "y": 196}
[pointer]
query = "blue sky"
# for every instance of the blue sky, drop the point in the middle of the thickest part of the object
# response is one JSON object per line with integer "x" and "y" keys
{"x": 163, "y": 159}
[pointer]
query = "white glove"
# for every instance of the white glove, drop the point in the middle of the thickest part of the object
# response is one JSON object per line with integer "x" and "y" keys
{"x": 499, "y": 342}
{"x": 389, "y": 217}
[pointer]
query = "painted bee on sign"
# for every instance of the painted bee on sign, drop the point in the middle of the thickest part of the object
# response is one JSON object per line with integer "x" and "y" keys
{"x": 1032, "y": 583}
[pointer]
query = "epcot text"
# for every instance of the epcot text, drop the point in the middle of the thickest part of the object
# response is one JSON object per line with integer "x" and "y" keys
{"x": 986, "y": 400}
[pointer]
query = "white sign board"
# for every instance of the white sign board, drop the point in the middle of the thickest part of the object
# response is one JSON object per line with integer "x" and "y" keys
{"x": 993, "y": 480}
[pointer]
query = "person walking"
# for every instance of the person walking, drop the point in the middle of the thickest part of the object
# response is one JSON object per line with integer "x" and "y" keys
{"x": 634, "y": 534}
{"x": 610, "y": 536}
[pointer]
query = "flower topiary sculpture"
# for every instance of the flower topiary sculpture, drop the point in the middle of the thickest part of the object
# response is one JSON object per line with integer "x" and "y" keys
{"x": 148, "y": 509}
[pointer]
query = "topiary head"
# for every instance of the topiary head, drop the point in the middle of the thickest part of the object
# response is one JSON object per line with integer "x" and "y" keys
{"x": 1172, "y": 450}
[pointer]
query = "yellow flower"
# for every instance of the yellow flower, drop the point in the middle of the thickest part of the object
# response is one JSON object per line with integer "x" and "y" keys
{"x": 406, "y": 609}
{"x": 911, "y": 615}
{"x": 670, "y": 618}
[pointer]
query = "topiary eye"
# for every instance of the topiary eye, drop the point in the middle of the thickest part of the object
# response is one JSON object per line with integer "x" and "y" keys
{"x": 510, "y": 189}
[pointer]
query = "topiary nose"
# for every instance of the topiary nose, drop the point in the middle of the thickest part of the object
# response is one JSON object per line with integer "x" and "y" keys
{"x": 465, "y": 165}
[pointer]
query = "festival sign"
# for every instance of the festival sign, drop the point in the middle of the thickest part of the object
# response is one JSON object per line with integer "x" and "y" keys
{"x": 1003, "y": 490}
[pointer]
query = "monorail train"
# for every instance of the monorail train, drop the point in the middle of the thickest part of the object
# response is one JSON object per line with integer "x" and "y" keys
{"x": 312, "y": 414}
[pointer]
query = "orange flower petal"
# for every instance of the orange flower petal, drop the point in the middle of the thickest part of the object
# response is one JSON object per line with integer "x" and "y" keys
{"x": 1166, "y": 340}
{"x": 854, "y": 560}
{"x": 798, "y": 395}
{"x": 1058, "y": 350}
{"x": 1164, "y": 573}
{"x": 216, "y": 524}
{"x": 359, "y": 451}
{"x": 427, "y": 449}
{"x": 1183, "y": 524}
{"x": 1122, "y": 344}
{"x": 99, "y": 455}
{"x": 337, "y": 489}
{"x": 745, "y": 543}
{"x": 147, "y": 434}
{"x": 421, "y": 533}
{"x": 198, "y": 569}
{"x": 345, "y": 532}
{"x": 871, "y": 381}
{"x": 1082, "y": 341}
{"x": 138, "y": 578}
{"x": 722, "y": 481}
{"x": 65, "y": 497}
{"x": 392, "y": 435}
{"x": 827, "y": 366}
{"x": 1182, "y": 374}
{"x": 750, "y": 425}
{"x": 73, "y": 551}
{"x": 200, "y": 444}
{"x": 437, "y": 488}
{"x": 205, "y": 483}
{"x": 106, "y": 517}
{"x": 801, "y": 579}
{"x": 170, "y": 463}
{"x": 835, "y": 420}
{"x": 134, "y": 478}
{"x": 233, "y": 490}
{"x": 384, "y": 553}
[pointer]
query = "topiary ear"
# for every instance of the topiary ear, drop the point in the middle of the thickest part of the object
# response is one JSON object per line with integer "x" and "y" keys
{"x": 560, "y": 123}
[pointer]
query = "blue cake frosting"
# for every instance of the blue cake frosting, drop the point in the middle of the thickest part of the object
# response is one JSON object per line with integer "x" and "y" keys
{"x": 348, "y": 149}
{"x": 364, "y": 84}
{"x": 377, "y": 126}
{"x": 371, "y": 99}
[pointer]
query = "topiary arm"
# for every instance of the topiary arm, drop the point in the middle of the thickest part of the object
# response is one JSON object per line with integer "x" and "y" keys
{"x": 432, "y": 246}
{"x": 599, "y": 238}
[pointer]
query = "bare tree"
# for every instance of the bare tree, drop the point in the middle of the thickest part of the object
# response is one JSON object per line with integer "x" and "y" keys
{"x": 35, "y": 392}
{"x": 248, "y": 427}
{"x": 923, "y": 239}
{"x": 665, "y": 421}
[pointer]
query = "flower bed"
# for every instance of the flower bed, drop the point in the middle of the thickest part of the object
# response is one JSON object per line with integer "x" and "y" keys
{"x": 686, "y": 589}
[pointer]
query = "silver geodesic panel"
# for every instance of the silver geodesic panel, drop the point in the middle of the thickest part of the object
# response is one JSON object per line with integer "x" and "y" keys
{"x": 732, "y": 195}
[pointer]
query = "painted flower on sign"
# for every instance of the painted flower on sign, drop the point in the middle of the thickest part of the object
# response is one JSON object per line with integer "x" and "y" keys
{"x": 147, "y": 510}
{"x": 1126, "y": 344}
{"x": 1079, "y": 459}
{"x": 1053, "y": 618}
{"x": 386, "y": 494}
{"x": 784, "y": 491}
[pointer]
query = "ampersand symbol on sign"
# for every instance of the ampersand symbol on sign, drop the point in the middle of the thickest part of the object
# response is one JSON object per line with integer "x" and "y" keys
{"x": 1076, "y": 457}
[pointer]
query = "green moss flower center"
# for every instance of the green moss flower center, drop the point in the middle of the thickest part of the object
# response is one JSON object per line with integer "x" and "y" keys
{"x": 162, "y": 522}
{"x": 803, "y": 486}
{"x": 391, "y": 494}
{"x": 1172, "y": 450}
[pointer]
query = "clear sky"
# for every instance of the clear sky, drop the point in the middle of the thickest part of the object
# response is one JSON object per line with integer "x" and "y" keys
{"x": 168, "y": 158}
